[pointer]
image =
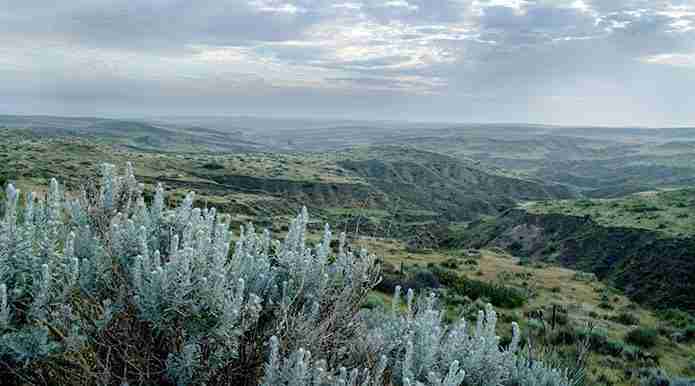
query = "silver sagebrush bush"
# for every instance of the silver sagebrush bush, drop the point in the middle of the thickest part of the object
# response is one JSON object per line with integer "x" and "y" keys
{"x": 110, "y": 285}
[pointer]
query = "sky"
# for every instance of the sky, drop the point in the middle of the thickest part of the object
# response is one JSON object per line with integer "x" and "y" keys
{"x": 571, "y": 62}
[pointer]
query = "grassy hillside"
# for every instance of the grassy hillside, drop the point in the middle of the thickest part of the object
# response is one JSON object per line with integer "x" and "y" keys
{"x": 649, "y": 266}
{"x": 592, "y": 161}
{"x": 138, "y": 134}
{"x": 580, "y": 301}
{"x": 671, "y": 212}
{"x": 389, "y": 189}
{"x": 455, "y": 189}
{"x": 424, "y": 183}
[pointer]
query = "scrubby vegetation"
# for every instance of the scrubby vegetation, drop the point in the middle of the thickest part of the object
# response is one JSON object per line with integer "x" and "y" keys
{"x": 100, "y": 287}
{"x": 648, "y": 266}
{"x": 388, "y": 197}
{"x": 668, "y": 212}
{"x": 563, "y": 310}
{"x": 643, "y": 337}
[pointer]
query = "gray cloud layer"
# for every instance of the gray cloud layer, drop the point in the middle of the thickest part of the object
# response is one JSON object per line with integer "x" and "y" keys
{"x": 551, "y": 61}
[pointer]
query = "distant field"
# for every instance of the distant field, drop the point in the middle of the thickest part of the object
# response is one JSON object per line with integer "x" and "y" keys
{"x": 364, "y": 184}
{"x": 670, "y": 212}
{"x": 597, "y": 162}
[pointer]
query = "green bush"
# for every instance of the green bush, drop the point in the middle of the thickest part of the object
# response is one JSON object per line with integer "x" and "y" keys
{"x": 446, "y": 277}
{"x": 415, "y": 278}
{"x": 374, "y": 302}
{"x": 565, "y": 335}
{"x": 536, "y": 325}
{"x": 630, "y": 352}
{"x": 657, "y": 377}
{"x": 451, "y": 263}
{"x": 497, "y": 294}
{"x": 626, "y": 318}
{"x": 422, "y": 279}
{"x": 642, "y": 336}
{"x": 585, "y": 276}
{"x": 689, "y": 333}
{"x": 389, "y": 282}
{"x": 462, "y": 287}
{"x": 642, "y": 208}
{"x": 598, "y": 337}
{"x": 516, "y": 247}
{"x": 561, "y": 318}
{"x": 100, "y": 287}
{"x": 677, "y": 318}
{"x": 613, "y": 347}
{"x": 212, "y": 166}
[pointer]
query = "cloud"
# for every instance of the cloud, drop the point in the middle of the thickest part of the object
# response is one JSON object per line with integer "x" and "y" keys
{"x": 275, "y": 6}
{"x": 519, "y": 53}
{"x": 681, "y": 60}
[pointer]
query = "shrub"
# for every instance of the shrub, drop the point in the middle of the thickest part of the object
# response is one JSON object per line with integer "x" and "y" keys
{"x": 642, "y": 337}
{"x": 585, "y": 276}
{"x": 101, "y": 287}
{"x": 536, "y": 325}
{"x": 607, "y": 378}
{"x": 516, "y": 247}
{"x": 446, "y": 277}
{"x": 613, "y": 347}
{"x": 561, "y": 318}
{"x": 389, "y": 282}
{"x": 597, "y": 337}
{"x": 631, "y": 352}
{"x": 657, "y": 377}
{"x": 459, "y": 287}
{"x": 423, "y": 279}
{"x": 374, "y": 302}
{"x": 565, "y": 335}
{"x": 689, "y": 333}
{"x": 451, "y": 263}
{"x": 416, "y": 278}
{"x": 497, "y": 294}
{"x": 626, "y": 318}
{"x": 666, "y": 330}
{"x": 677, "y": 318}
{"x": 212, "y": 166}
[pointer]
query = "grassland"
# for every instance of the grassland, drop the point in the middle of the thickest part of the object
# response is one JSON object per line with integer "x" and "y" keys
{"x": 584, "y": 301}
{"x": 398, "y": 184}
{"x": 669, "y": 212}
{"x": 362, "y": 185}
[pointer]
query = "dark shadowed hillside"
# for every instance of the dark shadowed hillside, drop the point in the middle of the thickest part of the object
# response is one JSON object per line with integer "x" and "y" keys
{"x": 650, "y": 267}
{"x": 454, "y": 189}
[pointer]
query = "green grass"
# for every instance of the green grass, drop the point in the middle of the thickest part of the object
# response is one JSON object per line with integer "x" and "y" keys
{"x": 579, "y": 298}
{"x": 669, "y": 212}
{"x": 31, "y": 160}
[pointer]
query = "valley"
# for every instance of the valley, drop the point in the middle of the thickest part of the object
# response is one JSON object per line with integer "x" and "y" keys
{"x": 579, "y": 300}
{"x": 597, "y": 224}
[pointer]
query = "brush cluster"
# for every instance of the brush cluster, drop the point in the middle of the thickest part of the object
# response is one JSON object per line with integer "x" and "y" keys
{"x": 107, "y": 287}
